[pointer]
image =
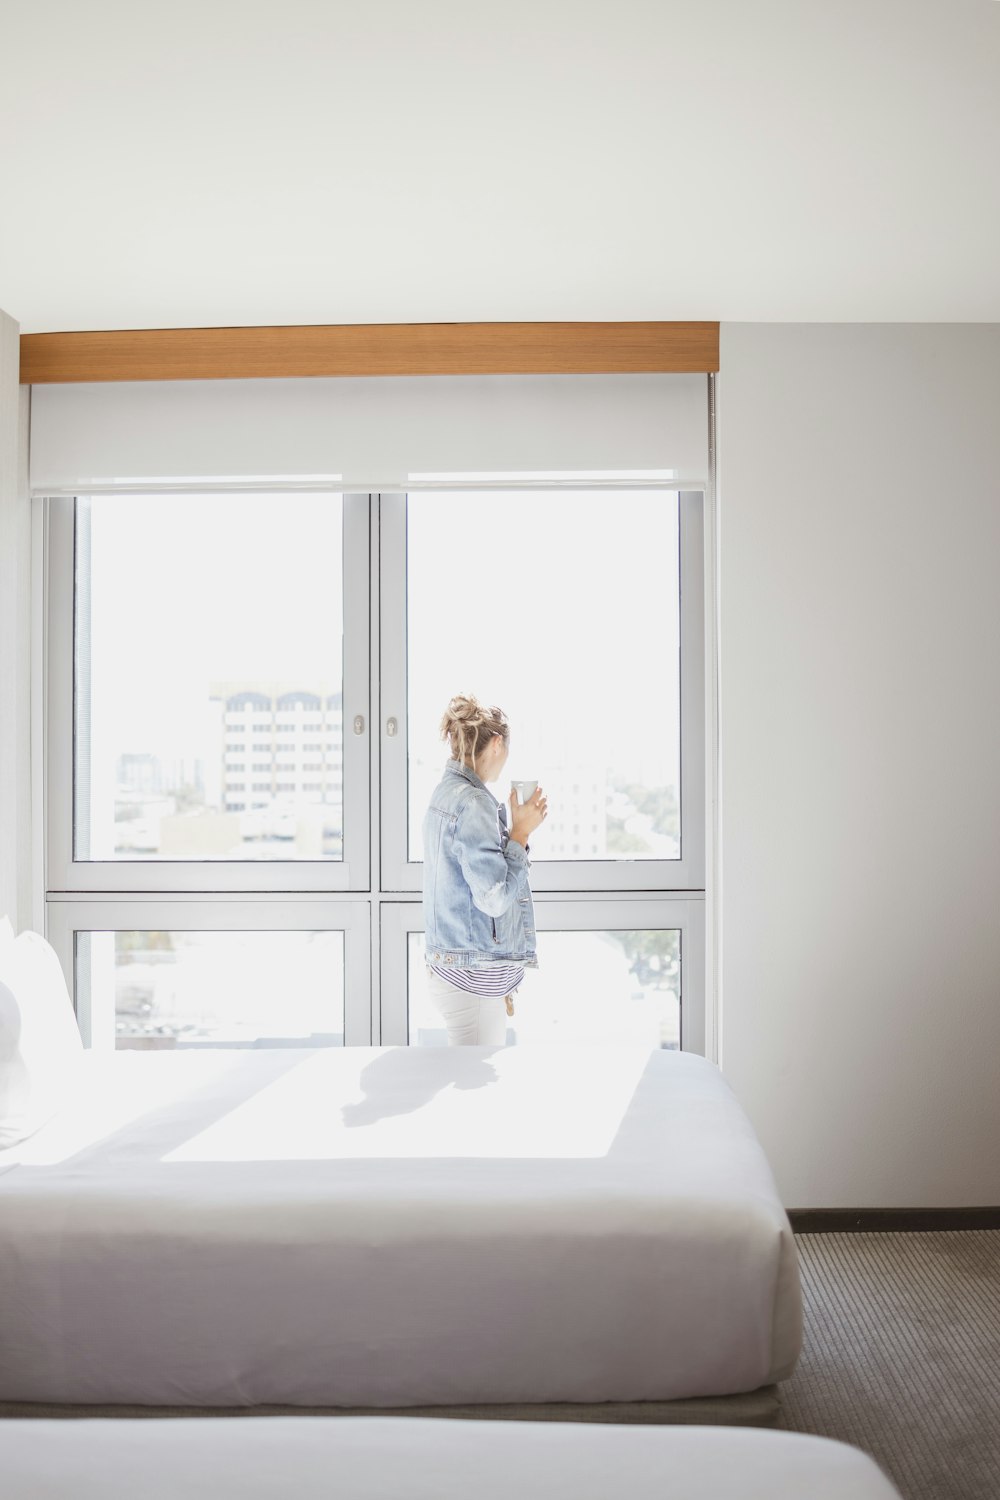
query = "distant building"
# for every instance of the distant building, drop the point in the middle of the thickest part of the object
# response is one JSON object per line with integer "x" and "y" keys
{"x": 577, "y": 827}
{"x": 140, "y": 772}
{"x": 281, "y": 743}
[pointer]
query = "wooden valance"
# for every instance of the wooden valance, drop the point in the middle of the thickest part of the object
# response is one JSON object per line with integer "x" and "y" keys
{"x": 370, "y": 349}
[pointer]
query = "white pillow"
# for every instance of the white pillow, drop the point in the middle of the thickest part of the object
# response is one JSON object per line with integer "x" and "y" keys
{"x": 40, "y": 1045}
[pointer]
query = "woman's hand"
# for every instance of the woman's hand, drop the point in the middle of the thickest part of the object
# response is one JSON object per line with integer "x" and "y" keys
{"x": 525, "y": 817}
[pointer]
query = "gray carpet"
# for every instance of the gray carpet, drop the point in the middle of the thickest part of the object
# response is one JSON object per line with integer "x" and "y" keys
{"x": 902, "y": 1356}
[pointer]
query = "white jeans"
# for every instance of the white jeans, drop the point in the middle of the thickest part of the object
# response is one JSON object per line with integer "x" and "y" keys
{"x": 472, "y": 1020}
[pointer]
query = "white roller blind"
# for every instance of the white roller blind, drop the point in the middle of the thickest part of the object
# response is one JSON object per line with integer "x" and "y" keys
{"x": 367, "y": 433}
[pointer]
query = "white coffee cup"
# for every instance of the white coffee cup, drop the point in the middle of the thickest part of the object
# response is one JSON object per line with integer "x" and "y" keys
{"x": 525, "y": 790}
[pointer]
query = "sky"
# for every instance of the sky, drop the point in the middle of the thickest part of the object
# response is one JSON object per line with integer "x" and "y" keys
{"x": 567, "y": 620}
{"x": 560, "y": 607}
{"x": 193, "y": 589}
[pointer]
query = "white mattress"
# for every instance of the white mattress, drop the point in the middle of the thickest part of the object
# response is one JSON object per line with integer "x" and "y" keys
{"x": 383, "y": 1458}
{"x": 394, "y": 1227}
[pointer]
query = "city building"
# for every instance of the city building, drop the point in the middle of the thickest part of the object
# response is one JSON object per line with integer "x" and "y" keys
{"x": 282, "y": 764}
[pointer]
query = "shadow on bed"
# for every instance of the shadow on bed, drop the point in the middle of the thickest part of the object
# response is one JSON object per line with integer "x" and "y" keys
{"x": 162, "y": 1130}
{"x": 387, "y": 1081}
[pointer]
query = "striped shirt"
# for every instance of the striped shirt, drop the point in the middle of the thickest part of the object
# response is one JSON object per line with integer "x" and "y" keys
{"x": 491, "y": 979}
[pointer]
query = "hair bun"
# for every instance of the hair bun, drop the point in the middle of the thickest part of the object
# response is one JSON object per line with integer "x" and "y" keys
{"x": 465, "y": 709}
{"x": 469, "y": 726}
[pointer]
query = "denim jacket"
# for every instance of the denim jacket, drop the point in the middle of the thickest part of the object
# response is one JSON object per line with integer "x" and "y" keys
{"x": 477, "y": 901}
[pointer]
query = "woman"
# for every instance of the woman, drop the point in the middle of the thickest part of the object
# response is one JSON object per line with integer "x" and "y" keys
{"x": 478, "y": 919}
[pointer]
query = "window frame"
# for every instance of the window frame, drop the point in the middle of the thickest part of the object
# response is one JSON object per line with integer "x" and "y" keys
{"x": 220, "y": 894}
{"x": 625, "y": 910}
{"x": 221, "y": 912}
{"x": 399, "y": 873}
{"x": 65, "y": 873}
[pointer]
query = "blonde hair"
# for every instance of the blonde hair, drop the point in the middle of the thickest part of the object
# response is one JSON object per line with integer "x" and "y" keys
{"x": 469, "y": 727}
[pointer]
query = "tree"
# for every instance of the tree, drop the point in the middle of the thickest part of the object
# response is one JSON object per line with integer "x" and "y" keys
{"x": 658, "y": 803}
{"x": 652, "y": 955}
{"x": 132, "y": 945}
{"x": 620, "y": 841}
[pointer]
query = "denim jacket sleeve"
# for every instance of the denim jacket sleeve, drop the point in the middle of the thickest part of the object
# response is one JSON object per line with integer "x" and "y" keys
{"x": 495, "y": 875}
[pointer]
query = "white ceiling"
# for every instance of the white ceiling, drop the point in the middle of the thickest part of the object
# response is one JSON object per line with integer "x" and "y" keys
{"x": 217, "y": 162}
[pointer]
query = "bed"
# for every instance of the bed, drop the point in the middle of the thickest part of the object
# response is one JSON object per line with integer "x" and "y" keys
{"x": 574, "y": 1232}
{"x": 382, "y": 1458}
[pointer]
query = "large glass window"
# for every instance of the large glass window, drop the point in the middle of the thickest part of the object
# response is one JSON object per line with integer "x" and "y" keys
{"x": 580, "y": 614}
{"x": 208, "y": 705}
{"x": 564, "y": 609}
{"x": 602, "y": 988}
{"x": 166, "y": 973}
{"x": 243, "y": 698}
{"x": 612, "y": 971}
{"x": 212, "y": 989}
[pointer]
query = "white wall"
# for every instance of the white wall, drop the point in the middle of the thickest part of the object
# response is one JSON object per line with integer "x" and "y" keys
{"x": 859, "y": 597}
{"x": 15, "y": 649}
{"x": 448, "y": 161}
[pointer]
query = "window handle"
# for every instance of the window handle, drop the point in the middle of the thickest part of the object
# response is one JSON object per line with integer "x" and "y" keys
{"x": 359, "y": 723}
{"x": 391, "y": 727}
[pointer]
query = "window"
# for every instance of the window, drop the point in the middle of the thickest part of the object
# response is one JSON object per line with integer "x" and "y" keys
{"x": 586, "y": 661}
{"x": 266, "y": 974}
{"x": 622, "y": 983}
{"x": 146, "y": 780}
{"x": 174, "y": 860}
{"x": 623, "y": 986}
{"x": 176, "y": 990}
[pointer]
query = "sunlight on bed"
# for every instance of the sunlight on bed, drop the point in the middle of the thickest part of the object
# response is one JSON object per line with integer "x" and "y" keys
{"x": 466, "y": 1103}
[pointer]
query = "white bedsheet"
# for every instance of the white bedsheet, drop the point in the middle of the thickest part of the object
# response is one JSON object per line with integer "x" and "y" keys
{"x": 383, "y": 1458}
{"x": 393, "y": 1227}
